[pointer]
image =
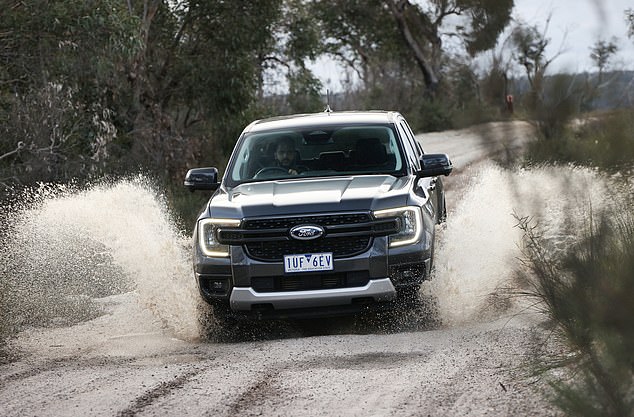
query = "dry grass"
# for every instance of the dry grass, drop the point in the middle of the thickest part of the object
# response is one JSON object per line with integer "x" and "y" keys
{"x": 587, "y": 291}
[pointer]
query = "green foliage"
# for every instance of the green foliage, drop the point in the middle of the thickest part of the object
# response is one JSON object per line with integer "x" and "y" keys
{"x": 430, "y": 116}
{"x": 158, "y": 86}
{"x": 91, "y": 88}
{"x": 361, "y": 28}
{"x": 494, "y": 86}
{"x": 72, "y": 43}
{"x": 600, "y": 140}
{"x": 555, "y": 106}
{"x": 488, "y": 19}
{"x": 50, "y": 136}
{"x": 60, "y": 71}
{"x": 304, "y": 92}
{"x": 530, "y": 52}
{"x": 474, "y": 113}
{"x": 217, "y": 62}
{"x": 422, "y": 28}
{"x": 304, "y": 33}
{"x": 588, "y": 292}
{"x": 601, "y": 52}
{"x": 606, "y": 141}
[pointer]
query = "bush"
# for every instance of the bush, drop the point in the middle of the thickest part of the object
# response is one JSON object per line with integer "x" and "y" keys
{"x": 604, "y": 141}
{"x": 588, "y": 293}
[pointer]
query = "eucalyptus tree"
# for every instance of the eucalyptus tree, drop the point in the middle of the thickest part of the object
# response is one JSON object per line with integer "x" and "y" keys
{"x": 357, "y": 31}
{"x": 152, "y": 83}
{"x": 61, "y": 69}
{"x": 601, "y": 53}
{"x": 199, "y": 74}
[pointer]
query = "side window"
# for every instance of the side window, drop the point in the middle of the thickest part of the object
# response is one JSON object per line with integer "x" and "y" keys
{"x": 409, "y": 144}
{"x": 419, "y": 148}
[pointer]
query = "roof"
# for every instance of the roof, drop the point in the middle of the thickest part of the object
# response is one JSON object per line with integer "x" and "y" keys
{"x": 322, "y": 119}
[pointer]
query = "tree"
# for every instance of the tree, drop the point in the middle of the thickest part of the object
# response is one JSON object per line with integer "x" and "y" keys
{"x": 600, "y": 53}
{"x": 153, "y": 83}
{"x": 530, "y": 52}
{"x": 629, "y": 19}
{"x": 368, "y": 35}
{"x": 422, "y": 28}
{"x": 61, "y": 68}
{"x": 551, "y": 104}
{"x": 358, "y": 33}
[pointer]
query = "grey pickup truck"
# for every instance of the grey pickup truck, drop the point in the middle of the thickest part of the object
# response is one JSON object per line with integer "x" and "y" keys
{"x": 317, "y": 215}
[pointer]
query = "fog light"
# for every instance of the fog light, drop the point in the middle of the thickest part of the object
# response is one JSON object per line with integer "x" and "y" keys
{"x": 215, "y": 286}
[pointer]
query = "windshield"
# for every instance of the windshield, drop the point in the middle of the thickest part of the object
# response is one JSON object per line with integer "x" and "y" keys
{"x": 323, "y": 151}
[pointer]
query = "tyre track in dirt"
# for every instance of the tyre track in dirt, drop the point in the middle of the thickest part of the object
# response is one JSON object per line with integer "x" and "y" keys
{"x": 156, "y": 393}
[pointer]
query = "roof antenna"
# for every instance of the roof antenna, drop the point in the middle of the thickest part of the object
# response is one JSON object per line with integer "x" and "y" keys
{"x": 328, "y": 109}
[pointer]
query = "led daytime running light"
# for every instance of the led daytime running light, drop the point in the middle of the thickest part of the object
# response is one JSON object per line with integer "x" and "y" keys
{"x": 403, "y": 238}
{"x": 207, "y": 236}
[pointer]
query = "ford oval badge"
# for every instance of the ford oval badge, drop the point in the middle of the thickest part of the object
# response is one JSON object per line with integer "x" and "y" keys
{"x": 306, "y": 232}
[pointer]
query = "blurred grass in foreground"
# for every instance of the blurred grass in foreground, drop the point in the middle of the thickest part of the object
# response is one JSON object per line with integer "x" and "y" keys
{"x": 588, "y": 293}
{"x": 586, "y": 289}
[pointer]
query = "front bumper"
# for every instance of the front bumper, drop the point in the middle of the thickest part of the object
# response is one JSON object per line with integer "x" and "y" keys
{"x": 373, "y": 277}
{"x": 375, "y": 291}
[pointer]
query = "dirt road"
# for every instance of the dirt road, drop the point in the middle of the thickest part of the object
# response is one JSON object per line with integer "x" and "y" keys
{"x": 142, "y": 355}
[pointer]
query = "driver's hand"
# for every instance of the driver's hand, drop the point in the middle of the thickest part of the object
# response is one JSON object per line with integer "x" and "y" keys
{"x": 293, "y": 171}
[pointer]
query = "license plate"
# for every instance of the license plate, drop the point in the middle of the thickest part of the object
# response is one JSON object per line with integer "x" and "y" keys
{"x": 308, "y": 262}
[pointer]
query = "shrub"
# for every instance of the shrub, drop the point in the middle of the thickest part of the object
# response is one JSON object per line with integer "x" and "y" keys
{"x": 587, "y": 290}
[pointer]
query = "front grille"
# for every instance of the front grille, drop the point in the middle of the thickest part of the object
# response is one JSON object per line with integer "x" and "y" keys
{"x": 306, "y": 282}
{"x": 341, "y": 247}
{"x": 345, "y": 235}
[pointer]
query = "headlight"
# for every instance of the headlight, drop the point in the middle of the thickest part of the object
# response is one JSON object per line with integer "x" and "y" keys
{"x": 411, "y": 221}
{"x": 208, "y": 239}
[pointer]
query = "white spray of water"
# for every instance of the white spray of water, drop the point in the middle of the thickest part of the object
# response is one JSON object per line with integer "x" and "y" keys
{"x": 120, "y": 238}
{"x": 479, "y": 251}
{"x": 101, "y": 237}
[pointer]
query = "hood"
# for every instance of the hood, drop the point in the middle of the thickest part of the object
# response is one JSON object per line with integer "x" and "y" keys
{"x": 359, "y": 193}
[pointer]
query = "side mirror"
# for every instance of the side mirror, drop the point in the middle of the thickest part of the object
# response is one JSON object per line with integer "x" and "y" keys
{"x": 202, "y": 179}
{"x": 434, "y": 164}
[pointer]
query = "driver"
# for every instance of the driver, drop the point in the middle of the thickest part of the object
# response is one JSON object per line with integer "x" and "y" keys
{"x": 286, "y": 155}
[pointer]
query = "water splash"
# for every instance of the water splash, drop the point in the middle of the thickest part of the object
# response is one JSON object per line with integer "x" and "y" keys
{"x": 67, "y": 248}
{"x": 478, "y": 254}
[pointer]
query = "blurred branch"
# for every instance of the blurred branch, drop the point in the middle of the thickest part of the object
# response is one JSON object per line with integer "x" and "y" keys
{"x": 20, "y": 145}
{"x": 629, "y": 18}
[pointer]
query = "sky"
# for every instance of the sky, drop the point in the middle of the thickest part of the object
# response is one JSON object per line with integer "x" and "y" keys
{"x": 574, "y": 27}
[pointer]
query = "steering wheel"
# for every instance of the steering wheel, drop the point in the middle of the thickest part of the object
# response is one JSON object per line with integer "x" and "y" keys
{"x": 270, "y": 172}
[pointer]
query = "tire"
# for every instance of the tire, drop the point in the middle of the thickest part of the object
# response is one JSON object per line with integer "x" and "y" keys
{"x": 215, "y": 321}
{"x": 442, "y": 216}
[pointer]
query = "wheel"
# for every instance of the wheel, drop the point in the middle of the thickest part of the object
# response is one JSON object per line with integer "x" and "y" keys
{"x": 416, "y": 310}
{"x": 215, "y": 321}
{"x": 442, "y": 216}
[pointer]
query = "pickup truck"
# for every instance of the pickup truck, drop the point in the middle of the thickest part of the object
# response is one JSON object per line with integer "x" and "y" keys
{"x": 318, "y": 215}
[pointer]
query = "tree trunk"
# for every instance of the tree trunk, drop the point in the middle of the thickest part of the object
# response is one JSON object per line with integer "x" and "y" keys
{"x": 429, "y": 75}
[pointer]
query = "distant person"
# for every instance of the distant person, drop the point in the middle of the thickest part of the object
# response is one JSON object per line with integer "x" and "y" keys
{"x": 286, "y": 155}
{"x": 509, "y": 103}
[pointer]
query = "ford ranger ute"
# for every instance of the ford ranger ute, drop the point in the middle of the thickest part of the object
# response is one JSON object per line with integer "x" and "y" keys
{"x": 318, "y": 214}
